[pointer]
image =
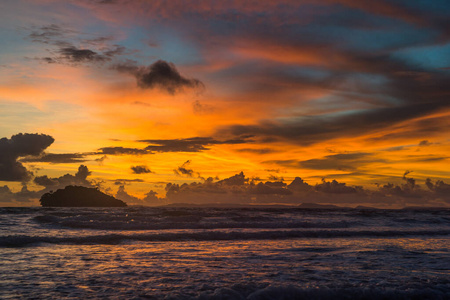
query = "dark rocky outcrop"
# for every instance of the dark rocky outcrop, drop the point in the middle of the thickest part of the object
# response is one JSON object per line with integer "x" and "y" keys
{"x": 79, "y": 196}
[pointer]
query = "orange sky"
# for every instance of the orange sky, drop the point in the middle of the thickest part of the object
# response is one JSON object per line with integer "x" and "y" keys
{"x": 320, "y": 90}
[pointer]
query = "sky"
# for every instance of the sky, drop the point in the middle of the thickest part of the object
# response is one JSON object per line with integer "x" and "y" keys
{"x": 340, "y": 102}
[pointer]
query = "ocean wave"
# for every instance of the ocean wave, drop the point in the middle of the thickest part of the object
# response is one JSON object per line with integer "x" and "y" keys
{"x": 209, "y": 235}
{"x": 291, "y": 292}
{"x": 156, "y": 223}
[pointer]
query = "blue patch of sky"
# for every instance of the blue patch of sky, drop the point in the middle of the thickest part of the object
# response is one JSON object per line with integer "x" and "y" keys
{"x": 315, "y": 74}
{"x": 160, "y": 43}
{"x": 372, "y": 40}
{"x": 357, "y": 30}
{"x": 439, "y": 7}
{"x": 431, "y": 57}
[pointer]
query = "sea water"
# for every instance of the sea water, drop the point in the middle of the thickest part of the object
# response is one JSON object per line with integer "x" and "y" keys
{"x": 224, "y": 253}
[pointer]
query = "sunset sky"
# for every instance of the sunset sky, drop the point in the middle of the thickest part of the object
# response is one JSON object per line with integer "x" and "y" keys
{"x": 148, "y": 95}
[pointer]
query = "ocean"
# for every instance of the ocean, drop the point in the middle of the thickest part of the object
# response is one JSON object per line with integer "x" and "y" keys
{"x": 224, "y": 253}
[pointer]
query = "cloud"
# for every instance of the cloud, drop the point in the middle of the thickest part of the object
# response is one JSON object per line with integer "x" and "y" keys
{"x": 440, "y": 187}
{"x": 76, "y": 55}
{"x": 122, "y": 151}
{"x": 425, "y": 143}
{"x": 65, "y": 51}
{"x": 126, "y": 181}
{"x": 259, "y": 151}
{"x": 57, "y": 158}
{"x": 334, "y": 187}
{"x": 160, "y": 74}
{"x": 238, "y": 189}
{"x": 150, "y": 198}
{"x": 309, "y": 130}
{"x": 202, "y": 109}
{"x": 344, "y": 161}
{"x": 140, "y": 169}
{"x": 47, "y": 34}
{"x": 124, "y": 196}
{"x": 80, "y": 178}
{"x": 25, "y": 196}
{"x": 194, "y": 144}
{"x": 184, "y": 170}
{"x": 20, "y": 145}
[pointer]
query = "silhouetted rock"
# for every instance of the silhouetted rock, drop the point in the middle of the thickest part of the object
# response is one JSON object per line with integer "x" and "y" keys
{"x": 79, "y": 196}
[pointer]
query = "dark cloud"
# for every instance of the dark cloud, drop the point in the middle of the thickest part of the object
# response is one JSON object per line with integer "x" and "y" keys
{"x": 20, "y": 145}
{"x": 49, "y": 184}
{"x": 106, "y": 1}
{"x": 184, "y": 170}
{"x": 24, "y": 196}
{"x": 313, "y": 129}
{"x": 124, "y": 196}
{"x": 238, "y": 179}
{"x": 122, "y": 151}
{"x": 334, "y": 187}
{"x": 80, "y": 178}
{"x": 425, "y": 143}
{"x": 345, "y": 161}
{"x": 440, "y": 187}
{"x": 242, "y": 190}
{"x": 283, "y": 162}
{"x": 126, "y": 181}
{"x": 269, "y": 188}
{"x": 194, "y": 144}
{"x": 57, "y": 158}
{"x": 140, "y": 169}
{"x": 151, "y": 198}
{"x": 65, "y": 46}
{"x": 47, "y": 34}
{"x": 276, "y": 178}
{"x": 160, "y": 74}
{"x": 257, "y": 151}
{"x": 202, "y": 109}
{"x": 76, "y": 55}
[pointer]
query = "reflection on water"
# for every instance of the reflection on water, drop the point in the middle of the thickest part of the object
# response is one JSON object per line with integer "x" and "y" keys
{"x": 352, "y": 266}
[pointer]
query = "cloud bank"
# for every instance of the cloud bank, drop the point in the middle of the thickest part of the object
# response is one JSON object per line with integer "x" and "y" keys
{"x": 20, "y": 145}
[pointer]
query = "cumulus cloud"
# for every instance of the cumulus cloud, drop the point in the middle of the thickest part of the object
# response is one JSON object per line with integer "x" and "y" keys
{"x": 25, "y": 196}
{"x": 140, "y": 169}
{"x": 20, "y": 145}
{"x": 124, "y": 196}
{"x": 160, "y": 74}
{"x": 150, "y": 198}
{"x": 238, "y": 189}
{"x": 80, "y": 178}
{"x": 334, "y": 187}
